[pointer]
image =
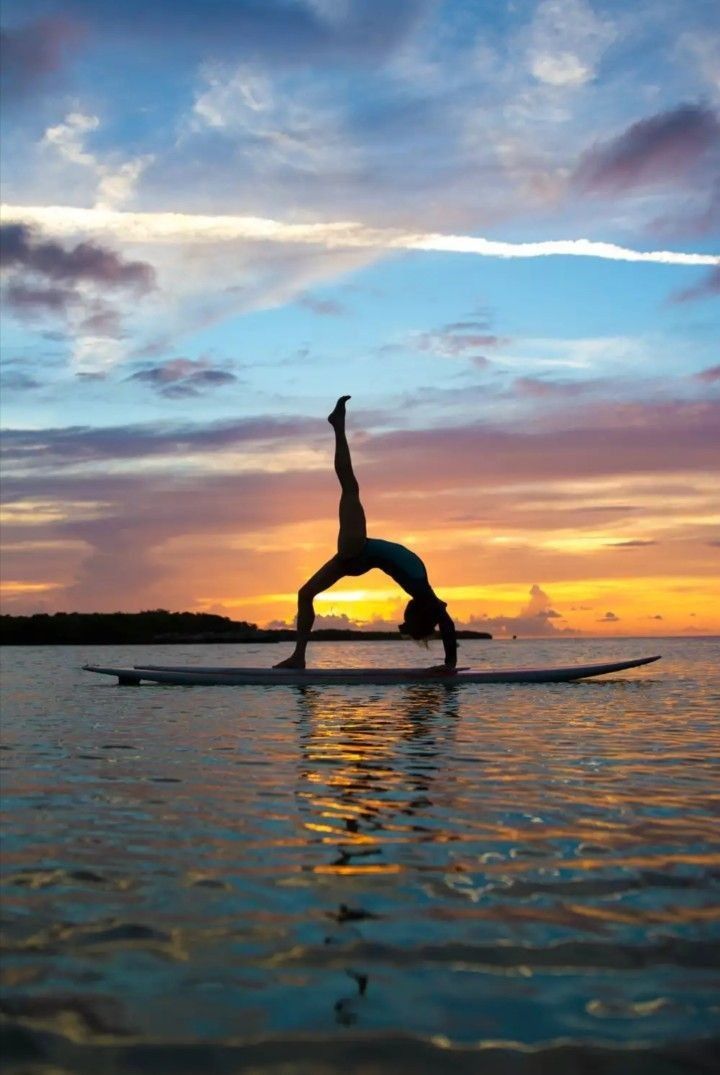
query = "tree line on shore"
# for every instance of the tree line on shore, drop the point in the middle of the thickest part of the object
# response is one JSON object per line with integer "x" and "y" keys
{"x": 160, "y": 626}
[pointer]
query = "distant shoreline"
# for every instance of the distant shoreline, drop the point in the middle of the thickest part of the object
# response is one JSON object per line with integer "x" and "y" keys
{"x": 159, "y": 627}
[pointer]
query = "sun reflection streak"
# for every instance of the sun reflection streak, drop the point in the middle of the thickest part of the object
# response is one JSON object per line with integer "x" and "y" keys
{"x": 355, "y": 771}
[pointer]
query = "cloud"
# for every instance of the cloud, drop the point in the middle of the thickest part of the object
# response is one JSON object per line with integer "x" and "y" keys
{"x": 533, "y": 619}
{"x": 703, "y": 50}
{"x": 705, "y": 289}
{"x": 115, "y": 180}
{"x": 537, "y": 388}
{"x": 196, "y": 288}
{"x": 598, "y": 440}
{"x": 567, "y": 39}
{"x": 43, "y": 277}
{"x": 19, "y": 382}
{"x": 585, "y": 441}
{"x": 21, "y": 249}
{"x": 710, "y": 375}
{"x": 539, "y": 605}
{"x": 323, "y": 143}
{"x": 95, "y": 320}
{"x": 322, "y": 307}
{"x": 27, "y": 299}
{"x": 654, "y": 150}
{"x": 539, "y": 600}
{"x": 251, "y": 517}
{"x": 188, "y": 228}
{"x": 336, "y": 143}
{"x": 68, "y": 138}
{"x": 103, "y": 321}
{"x": 34, "y": 53}
{"x": 609, "y": 617}
{"x": 461, "y": 339}
{"x": 632, "y": 544}
{"x": 700, "y": 216}
{"x": 279, "y": 32}
{"x": 274, "y": 125}
{"x": 76, "y": 444}
{"x": 129, "y": 526}
{"x": 334, "y": 621}
{"x": 179, "y": 378}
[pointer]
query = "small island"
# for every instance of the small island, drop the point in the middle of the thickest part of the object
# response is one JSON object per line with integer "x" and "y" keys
{"x": 160, "y": 626}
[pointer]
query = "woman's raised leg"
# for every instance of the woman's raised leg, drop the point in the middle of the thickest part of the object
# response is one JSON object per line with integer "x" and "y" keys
{"x": 351, "y": 539}
{"x": 353, "y": 528}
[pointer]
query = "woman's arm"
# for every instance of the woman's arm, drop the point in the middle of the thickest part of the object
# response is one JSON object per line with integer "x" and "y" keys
{"x": 449, "y": 638}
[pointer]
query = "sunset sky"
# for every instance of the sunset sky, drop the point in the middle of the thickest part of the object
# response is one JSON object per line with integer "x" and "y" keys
{"x": 496, "y": 225}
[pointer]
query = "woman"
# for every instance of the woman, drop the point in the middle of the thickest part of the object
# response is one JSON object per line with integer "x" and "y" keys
{"x": 357, "y": 554}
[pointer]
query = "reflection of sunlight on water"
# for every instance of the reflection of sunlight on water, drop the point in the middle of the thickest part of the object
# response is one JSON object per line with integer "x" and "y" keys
{"x": 461, "y": 866}
{"x": 369, "y": 771}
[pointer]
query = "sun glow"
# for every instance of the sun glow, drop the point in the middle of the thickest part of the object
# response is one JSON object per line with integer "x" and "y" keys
{"x": 12, "y": 587}
{"x": 654, "y": 606}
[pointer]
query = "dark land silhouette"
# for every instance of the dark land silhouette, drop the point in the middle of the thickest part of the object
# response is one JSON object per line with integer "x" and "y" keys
{"x": 160, "y": 626}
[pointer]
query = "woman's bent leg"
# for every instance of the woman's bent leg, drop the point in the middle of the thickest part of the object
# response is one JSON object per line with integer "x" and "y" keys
{"x": 323, "y": 579}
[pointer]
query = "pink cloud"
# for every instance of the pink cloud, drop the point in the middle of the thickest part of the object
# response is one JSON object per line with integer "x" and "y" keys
{"x": 27, "y": 298}
{"x": 710, "y": 375}
{"x": 533, "y": 619}
{"x": 536, "y": 388}
{"x": 143, "y": 515}
{"x": 656, "y": 149}
{"x": 602, "y": 440}
{"x": 460, "y": 339}
{"x": 706, "y": 288}
{"x": 452, "y": 343}
{"x": 44, "y": 277}
{"x": 22, "y": 249}
{"x": 181, "y": 377}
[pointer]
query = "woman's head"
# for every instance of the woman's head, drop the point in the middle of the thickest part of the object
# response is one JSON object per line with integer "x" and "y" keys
{"x": 421, "y": 618}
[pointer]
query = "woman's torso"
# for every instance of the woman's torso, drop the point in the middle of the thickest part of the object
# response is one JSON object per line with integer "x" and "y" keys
{"x": 400, "y": 563}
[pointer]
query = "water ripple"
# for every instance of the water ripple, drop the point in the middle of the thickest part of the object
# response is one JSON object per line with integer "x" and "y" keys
{"x": 525, "y": 878}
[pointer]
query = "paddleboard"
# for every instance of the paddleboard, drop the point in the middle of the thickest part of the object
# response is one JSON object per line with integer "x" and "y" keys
{"x": 191, "y": 676}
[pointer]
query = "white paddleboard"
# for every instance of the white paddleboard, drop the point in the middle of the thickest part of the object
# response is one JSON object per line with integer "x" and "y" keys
{"x": 190, "y": 676}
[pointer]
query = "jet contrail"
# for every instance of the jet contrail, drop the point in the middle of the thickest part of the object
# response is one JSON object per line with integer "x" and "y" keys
{"x": 199, "y": 228}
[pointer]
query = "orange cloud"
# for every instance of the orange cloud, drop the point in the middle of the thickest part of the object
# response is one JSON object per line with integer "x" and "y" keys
{"x": 598, "y": 517}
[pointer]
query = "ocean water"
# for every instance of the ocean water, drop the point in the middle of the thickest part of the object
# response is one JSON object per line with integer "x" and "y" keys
{"x": 426, "y": 878}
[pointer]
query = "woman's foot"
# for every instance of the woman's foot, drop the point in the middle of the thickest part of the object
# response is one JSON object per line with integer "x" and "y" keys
{"x": 291, "y": 662}
{"x": 338, "y": 414}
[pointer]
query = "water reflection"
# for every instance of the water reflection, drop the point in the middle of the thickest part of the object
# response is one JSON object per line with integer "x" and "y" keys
{"x": 366, "y": 777}
{"x": 442, "y": 864}
{"x": 367, "y": 770}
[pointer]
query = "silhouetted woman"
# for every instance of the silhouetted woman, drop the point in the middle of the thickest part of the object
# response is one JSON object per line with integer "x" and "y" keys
{"x": 357, "y": 554}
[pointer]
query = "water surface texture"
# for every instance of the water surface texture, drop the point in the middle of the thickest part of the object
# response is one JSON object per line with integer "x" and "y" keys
{"x": 417, "y": 878}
